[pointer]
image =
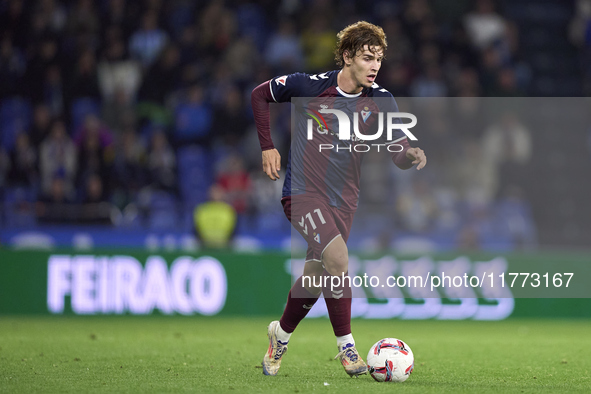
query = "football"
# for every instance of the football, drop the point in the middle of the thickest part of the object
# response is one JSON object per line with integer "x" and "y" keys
{"x": 390, "y": 360}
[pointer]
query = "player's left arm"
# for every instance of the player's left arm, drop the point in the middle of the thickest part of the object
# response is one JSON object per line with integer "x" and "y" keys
{"x": 409, "y": 156}
{"x": 418, "y": 157}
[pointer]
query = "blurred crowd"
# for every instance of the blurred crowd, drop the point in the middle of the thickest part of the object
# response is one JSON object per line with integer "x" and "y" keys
{"x": 133, "y": 105}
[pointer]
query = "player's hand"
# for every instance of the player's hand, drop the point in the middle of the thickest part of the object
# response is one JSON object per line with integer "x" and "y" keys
{"x": 417, "y": 156}
{"x": 272, "y": 163}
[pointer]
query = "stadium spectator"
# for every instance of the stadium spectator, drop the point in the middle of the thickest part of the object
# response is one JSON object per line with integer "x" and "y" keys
{"x": 515, "y": 213}
{"x": 12, "y": 67}
{"x": 220, "y": 85}
{"x": 161, "y": 162}
{"x": 129, "y": 165}
{"x": 413, "y": 16}
{"x": 54, "y": 91}
{"x": 580, "y": 35}
{"x": 162, "y": 77}
{"x": 507, "y": 145}
{"x": 215, "y": 220}
{"x": 83, "y": 18}
{"x": 14, "y": 23}
{"x": 430, "y": 83}
{"x": 506, "y": 85}
{"x": 416, "y": 207}
{"x": 235, "y": 182}
{"x": 58, "y": 158}
{"x": 84, "y": 79}
{"x": 119, "y": 13}
{"x": 95, "y": 150}
{"x": 94, "y": 192}
{"x": 119, "y": 113}
{"x": 23, "y": 163}
{"x": 188, "y": 45}
{"x": 41, "y": 126}
{"x": 216, "y": 28}
{"x": 116, "y": 71}
{"x": 54, "y": 13}
{"x": 318, "y": 42}
{"x": 230, "y": 119}
{"x": 283, "y": 51}
{"x": 242, "y": 58}
{"x": 193, "y": 117}
{"x": 45, "y": 55}
{"x": 4, "y": 166}
{"x": 473, "y": 175}
{"x": 147, "y": 42}
{"x": 484, "y": 25}
{"x": 58, "y": 193}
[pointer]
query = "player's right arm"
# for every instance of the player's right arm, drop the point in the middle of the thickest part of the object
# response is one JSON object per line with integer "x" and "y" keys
{"x": 277, "y": 90}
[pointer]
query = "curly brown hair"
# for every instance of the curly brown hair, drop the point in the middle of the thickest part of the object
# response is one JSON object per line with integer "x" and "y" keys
{"x": 354, "y": 37}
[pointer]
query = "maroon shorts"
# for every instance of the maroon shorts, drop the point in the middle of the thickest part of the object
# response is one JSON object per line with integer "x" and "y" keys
{"x": 317, "y": 222}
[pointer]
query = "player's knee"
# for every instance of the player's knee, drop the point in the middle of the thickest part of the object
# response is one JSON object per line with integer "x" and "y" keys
{"x": 336, "y": 257}
{"x": 337, "y": 266}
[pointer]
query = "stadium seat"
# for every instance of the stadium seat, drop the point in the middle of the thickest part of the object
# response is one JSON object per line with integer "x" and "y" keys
{"x": 82, "y": 107}
{"x": 195, "y": 174}
{"x": 19, "y": 207}
{"x": 15, "y": 107}
{"x": 163, "y": 211}
{"x": 15, "y": 117}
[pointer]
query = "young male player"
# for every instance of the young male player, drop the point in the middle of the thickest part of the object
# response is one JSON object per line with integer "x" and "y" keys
{"x": 321, "y": 190}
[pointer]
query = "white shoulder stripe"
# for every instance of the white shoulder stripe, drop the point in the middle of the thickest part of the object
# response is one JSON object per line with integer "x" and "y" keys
{"x": 271, "y": 88}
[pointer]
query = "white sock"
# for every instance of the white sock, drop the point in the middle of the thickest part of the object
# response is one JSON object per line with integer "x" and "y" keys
{"x": 282, "y": 335}
{"x": 344, "y": 340}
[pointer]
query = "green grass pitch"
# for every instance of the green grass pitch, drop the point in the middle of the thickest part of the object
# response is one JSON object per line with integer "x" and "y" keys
{"x": 196, "y": 354}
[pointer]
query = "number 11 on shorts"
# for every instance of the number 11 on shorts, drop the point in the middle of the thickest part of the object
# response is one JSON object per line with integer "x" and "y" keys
{"x": 312, "y": 223}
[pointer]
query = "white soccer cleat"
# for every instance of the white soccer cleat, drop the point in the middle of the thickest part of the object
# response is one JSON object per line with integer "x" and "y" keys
{"x": 272, "y": 360}
{"x": 351, "y": 360}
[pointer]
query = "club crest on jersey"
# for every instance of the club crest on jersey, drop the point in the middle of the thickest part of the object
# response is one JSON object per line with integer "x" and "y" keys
{"x": 281, "y": 80}
{"x": 365, "y": 114}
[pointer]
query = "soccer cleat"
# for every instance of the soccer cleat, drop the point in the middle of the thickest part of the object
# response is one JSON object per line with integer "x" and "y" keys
{"x": 272, "y": 360}
{"x": 351, "y": 360}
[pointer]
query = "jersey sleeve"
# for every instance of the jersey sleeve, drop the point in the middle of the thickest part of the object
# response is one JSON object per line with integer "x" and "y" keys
{"x": 285, "y": 87}
{"x": 387, "y": 103}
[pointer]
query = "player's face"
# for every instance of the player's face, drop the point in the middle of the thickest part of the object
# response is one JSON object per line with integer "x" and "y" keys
{"x": 365, "y": 66}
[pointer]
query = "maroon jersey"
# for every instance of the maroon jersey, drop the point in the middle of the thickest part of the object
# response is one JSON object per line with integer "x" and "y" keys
{"x": 314, "y": 168}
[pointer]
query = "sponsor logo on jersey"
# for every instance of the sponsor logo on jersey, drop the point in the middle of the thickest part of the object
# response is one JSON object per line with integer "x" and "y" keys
{"x": 281, "y": 80}
{"x": 322, "y": 127}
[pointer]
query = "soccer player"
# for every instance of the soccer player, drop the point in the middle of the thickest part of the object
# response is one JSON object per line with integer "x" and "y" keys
{"x": 325, "y": 185}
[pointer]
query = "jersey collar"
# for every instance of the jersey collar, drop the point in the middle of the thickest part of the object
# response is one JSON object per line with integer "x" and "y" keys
{"x": 348, "y": 94}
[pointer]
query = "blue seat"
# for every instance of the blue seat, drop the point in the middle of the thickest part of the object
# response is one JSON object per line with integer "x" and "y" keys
{"x": 15, "y": 117}
{"x": 162, "y": 200}
{"x": 15, "y": 107}
{"x": 13, "y": 195}
{"x": 195, "y": 174}
{"x": 81, "y": 108}
{"x": 163, "y": 211}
